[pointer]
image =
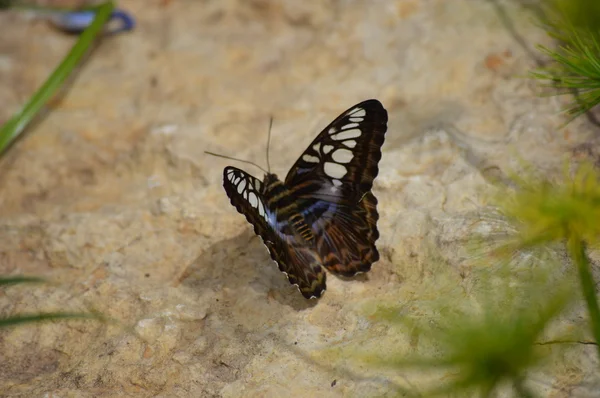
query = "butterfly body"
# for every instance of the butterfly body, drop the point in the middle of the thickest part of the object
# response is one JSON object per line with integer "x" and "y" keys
{"x": 282, "y": 208}
{"x": 323, "y": 214}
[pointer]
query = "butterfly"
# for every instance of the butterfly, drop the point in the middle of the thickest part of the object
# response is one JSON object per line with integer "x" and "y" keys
{"x": 323, "y": 215}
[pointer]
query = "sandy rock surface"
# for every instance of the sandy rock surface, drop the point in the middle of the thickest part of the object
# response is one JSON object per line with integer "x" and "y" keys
{"x": 112, "y": 198}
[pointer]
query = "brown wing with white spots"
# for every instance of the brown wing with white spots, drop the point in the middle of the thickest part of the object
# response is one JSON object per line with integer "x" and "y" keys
{"x": 332, "y": 182}
{"x": 301, "y": 264}
{"x": 341, "y": 163}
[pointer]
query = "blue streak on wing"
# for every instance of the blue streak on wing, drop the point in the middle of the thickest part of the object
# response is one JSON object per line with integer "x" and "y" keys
{"x": 315, "y": 210}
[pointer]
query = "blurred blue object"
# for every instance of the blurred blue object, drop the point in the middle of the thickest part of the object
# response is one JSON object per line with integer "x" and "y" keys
{"x": 76, "y": 21}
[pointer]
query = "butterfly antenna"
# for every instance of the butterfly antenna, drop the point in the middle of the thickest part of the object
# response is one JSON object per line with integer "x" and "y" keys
{"x": 268, "y": 143}
{"x": 239, "y": 160}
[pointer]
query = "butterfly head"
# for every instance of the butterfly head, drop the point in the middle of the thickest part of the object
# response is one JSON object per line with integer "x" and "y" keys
{"x": 270, "y": 181}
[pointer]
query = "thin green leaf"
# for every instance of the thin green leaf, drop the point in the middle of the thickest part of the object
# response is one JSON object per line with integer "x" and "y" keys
{"x": 51, "y": 316}
{"x": 14, "y": 280}
{"x": 15, "y": 126}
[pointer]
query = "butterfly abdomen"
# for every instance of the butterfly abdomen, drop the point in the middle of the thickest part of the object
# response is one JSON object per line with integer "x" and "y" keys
{"x": 300, "y": 226}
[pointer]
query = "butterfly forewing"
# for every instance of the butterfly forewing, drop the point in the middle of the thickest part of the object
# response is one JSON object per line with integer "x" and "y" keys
{"x": 341, "y": 163}
{"x": 301, "y": 265}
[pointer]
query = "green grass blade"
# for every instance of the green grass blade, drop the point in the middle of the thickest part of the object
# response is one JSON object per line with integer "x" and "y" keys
{"x": 50, "y": 316}
{"x": 576, "y": 248}
{"x": 14, "y": 280}
{"x": 15, "y": 126}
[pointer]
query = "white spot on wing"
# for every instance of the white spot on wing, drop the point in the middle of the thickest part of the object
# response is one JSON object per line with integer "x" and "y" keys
{"x": 342, "y": 156}
{"x": 350, "y": 143}
{"x": 309, "y": 158}
{"x": 356, "y": 119}
{"x": 317, "y": 146}
{"x": 331, "y": 131}
{"x": 337, "y": 183}
{"x": 327, "y": 149}
{"x": 241, "y": 186}
{"x": 349, "y": 126}
{"x": 334, "y": 170}
{"x": 261, "y": 211}
{"x": 358, "y": 112}
{"x": 253, "y": 199}
{"x": 347, "y": 134}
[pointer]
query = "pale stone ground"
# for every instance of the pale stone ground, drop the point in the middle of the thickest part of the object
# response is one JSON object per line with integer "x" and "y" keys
{"x": 111, "y": 196}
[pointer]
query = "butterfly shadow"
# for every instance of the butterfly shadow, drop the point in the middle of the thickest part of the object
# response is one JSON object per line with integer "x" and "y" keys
{"x": 358, "y": 278}
{"x": 239, "y": 268}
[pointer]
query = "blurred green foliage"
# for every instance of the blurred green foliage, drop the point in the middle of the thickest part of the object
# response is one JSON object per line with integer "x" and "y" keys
{"x": 488, "y": 340}
{"x": 583, "y": 14}
{"x": 544, "y": 211}
{"x": 485, "y": 343}
{"x": 565, "y": 211}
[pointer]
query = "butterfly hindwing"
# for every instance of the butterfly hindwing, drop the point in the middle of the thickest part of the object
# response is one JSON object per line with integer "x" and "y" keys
{"x": 302, "y": 266}
{"x": 346, "y": 241}
{"x": 244, "y": 192}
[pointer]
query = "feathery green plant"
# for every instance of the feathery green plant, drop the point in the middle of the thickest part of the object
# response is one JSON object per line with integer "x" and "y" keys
{"x": 490, "y": 341}
{"x": 565, "y": 211}
{"x": 485, "y": 348}
{"x": 575, "y": 67}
